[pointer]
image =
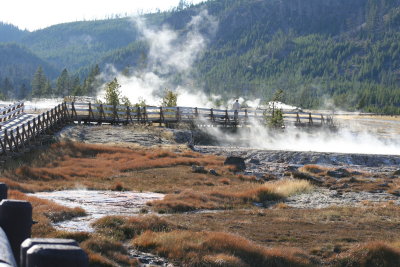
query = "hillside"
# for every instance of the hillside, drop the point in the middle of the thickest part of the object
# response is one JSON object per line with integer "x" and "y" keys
{"x": 341, "y": 52}
{"x": 73, "y": 45}
{"x": 17, "y": 67}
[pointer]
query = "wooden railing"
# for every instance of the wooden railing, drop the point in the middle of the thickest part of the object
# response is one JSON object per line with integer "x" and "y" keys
{"x": 12, "y": 139}
{"x": 11, "y": 111}
{"x": 88, "y": 112}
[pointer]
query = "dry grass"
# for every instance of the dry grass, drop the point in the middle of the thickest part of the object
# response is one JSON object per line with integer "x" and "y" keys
{"x": 217, "y": 249}
{"x": 190, "y": 200}
{"x": 69, "y": 165}
{"x": 99, "y": 247}
{"x": 370, "y": 254}
{"x": 123, "y": 228}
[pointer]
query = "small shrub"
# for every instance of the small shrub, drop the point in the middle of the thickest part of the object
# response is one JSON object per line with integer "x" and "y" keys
{"x": 225, "y": 181}
{"x": 118, "y": 187}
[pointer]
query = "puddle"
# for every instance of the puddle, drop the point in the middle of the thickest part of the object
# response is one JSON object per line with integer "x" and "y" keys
{"x": 98, "y": 204}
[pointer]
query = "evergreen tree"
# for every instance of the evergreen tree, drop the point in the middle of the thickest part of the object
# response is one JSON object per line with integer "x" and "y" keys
{"x": 23, "y": 92}
{"x": 76, "y": 87}
{"x": 63, "y": 84}
{"x": 7, "y": 89}
{"x": 112, "y": 93}
{"x": 39, "y": 83}
{"x": 169, "y": 99}
{"x": 92, "y": 84}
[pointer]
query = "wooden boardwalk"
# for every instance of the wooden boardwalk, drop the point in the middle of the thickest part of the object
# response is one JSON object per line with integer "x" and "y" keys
{"x": 98, "y": 113}
{"x": 18, "y": 129}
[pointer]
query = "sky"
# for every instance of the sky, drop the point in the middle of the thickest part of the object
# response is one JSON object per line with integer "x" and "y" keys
{"x": 38, "y": 14}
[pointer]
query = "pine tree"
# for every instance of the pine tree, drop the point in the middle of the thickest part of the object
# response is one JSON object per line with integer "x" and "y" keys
{"x": 63, "y": 84}
{"x": 23, "y": 92}
{"x": 76, "y": 87}
{"x": 91, "y": 83}
{"x": 39, "y": 83}
{"x": 7, "y": 89}
{"x": 113, "y": 93}
{"x": 169, "y": 99}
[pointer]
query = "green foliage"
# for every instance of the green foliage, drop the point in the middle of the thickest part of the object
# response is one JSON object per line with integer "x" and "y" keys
{"x": 41, "y": 85}
{"x": 112, "y": 93}
{"x": 63, "y": 84}
{"x": 169, "y": 99}
{"x": 273, "y": 114}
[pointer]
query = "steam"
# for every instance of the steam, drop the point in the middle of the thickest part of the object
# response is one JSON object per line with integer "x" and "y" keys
{"x": 171, "y": 54}
{"x": 347, "y": 139}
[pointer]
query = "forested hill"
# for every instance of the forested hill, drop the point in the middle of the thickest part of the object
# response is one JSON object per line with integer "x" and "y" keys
{"x": 343, "y": 51}
{"x": 17, "y": 65}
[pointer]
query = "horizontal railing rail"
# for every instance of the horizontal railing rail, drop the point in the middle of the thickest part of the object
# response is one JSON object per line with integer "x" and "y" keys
{"x": 11, "y": 111}
{"x": 12, "y": 138}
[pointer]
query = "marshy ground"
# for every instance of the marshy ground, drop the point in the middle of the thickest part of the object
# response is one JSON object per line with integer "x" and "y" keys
{"x": 349, "y": 213}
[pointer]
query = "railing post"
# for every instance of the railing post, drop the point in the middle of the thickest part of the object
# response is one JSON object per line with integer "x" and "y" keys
{"x": 91, "y": 115}
{"x": 16, "y": 221}
{"x": 139, "y": 115}
{"x": 196, "y": 112}
{"x": 3, "y": 191}
{"x": 115, "y": 114}
{"x": 161, "y": 115}
{"x": 73, "y": 112}
{"x": 128, "y": 114}
{"x": 178, "y": 117}
{"x": 146, "y": 117}
{"x": 310, "y": 121}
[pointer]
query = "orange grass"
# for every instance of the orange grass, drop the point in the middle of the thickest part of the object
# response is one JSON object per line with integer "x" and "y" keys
{"x": 189, "y": 200}
{"x": 122, "y": 228}
{"x": 370, "y": 254}
{"x": 68, "y": 161}
{"x": 208, "y": 248}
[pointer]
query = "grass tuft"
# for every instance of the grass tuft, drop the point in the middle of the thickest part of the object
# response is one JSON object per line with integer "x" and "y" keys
{"x": 221, "y": 199}
{"x": 202, "y": 248}
{"x": 370, "y": 254}
{"x": 123, "y": 228}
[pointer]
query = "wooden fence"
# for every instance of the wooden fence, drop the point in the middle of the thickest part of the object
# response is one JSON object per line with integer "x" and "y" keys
{"x": 11, "y": 111}
{"x": 99, "y": 113}
{"x": 11, "y": 139}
